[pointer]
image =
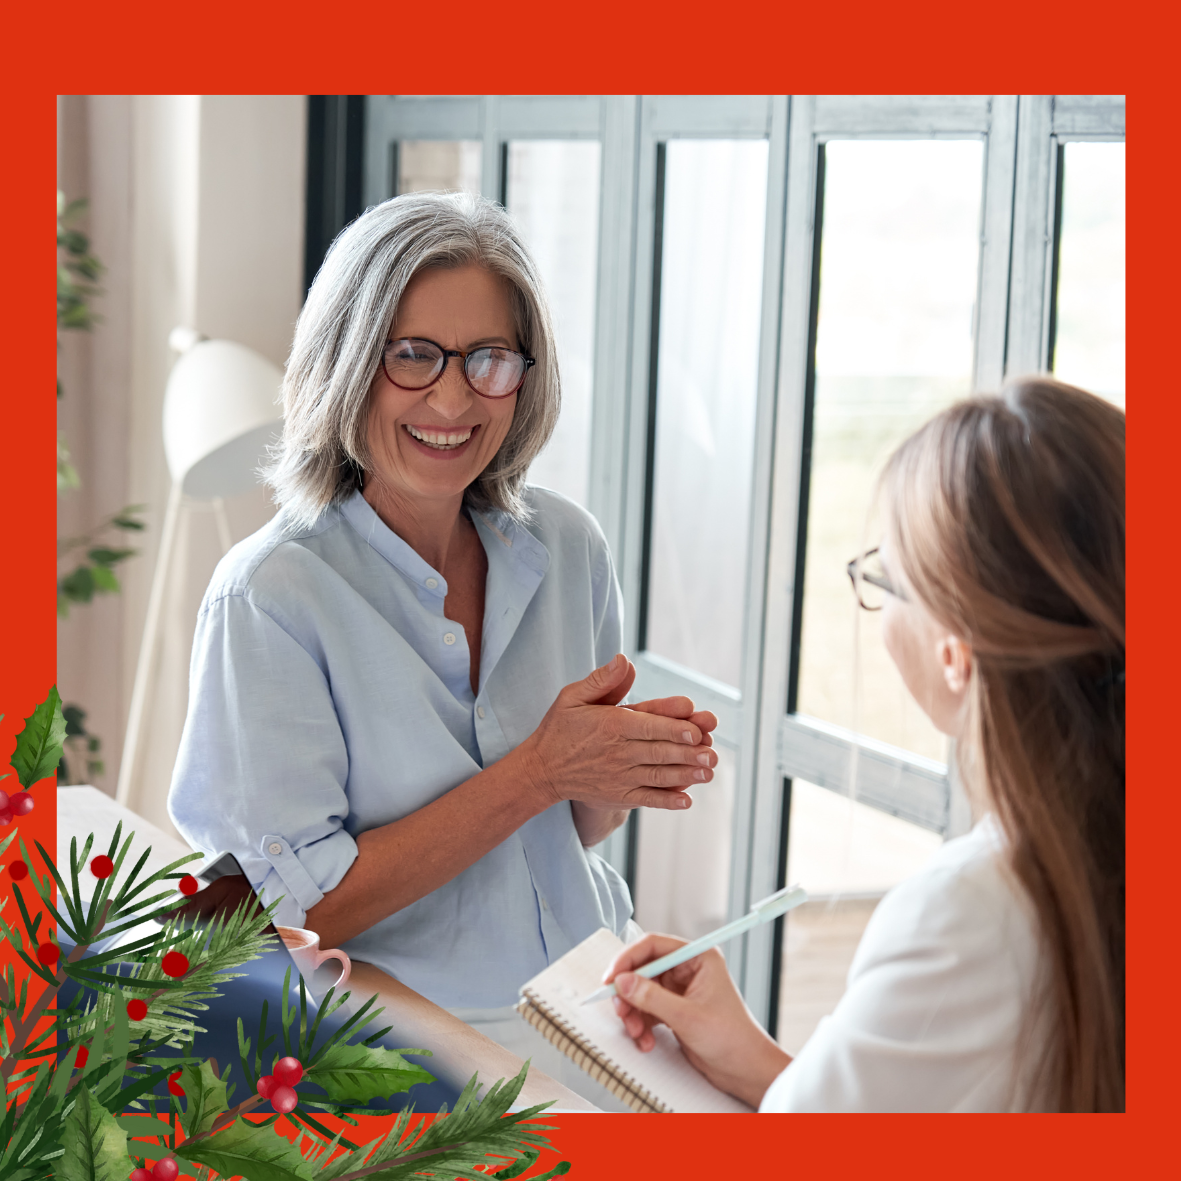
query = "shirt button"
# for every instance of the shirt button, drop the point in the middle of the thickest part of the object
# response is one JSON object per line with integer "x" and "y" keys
{"x": 274, "y": 848}
{"x": 449, "y": 638}
{"x": 431, "y": 583}
{"x": 479, "y": 711}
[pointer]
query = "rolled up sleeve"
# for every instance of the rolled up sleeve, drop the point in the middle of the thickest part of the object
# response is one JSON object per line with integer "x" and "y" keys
{"x": 263, "y": 766}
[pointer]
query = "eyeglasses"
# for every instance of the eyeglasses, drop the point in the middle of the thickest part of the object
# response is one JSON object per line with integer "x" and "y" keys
{"x": 870, "y": 583}
{"x": 492, "y": 372}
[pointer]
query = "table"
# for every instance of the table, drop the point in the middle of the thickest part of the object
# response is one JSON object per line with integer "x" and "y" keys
{"x": 459, "y": 1050}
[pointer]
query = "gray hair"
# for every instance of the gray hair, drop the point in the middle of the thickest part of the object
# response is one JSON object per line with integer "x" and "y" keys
{"x": 343, "y": 328}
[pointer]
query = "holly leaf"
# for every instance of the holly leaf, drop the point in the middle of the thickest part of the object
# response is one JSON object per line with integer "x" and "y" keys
{"x": 206, "y": 1095}
{"x": 39, "y": 744}
{"x": 94, "y": 1146}
{"x": 248, "y": 1150}
{"x": 356, "y": 1073}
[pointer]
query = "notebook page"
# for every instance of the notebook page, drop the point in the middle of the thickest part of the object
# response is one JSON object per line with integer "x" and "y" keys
{"x": 664, "y": 1070}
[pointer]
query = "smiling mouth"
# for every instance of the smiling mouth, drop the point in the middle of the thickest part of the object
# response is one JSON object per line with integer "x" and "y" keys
{"x": 442, "y": 440}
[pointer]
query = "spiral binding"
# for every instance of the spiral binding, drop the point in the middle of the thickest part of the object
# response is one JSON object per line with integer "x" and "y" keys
{"x": 586, "y": 1055}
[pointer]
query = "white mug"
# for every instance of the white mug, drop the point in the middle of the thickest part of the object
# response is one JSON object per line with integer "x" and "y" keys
{"x": 304, "y": 947}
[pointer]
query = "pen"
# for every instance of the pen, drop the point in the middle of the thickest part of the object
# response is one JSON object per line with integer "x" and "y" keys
{"x": 770, "y": 908}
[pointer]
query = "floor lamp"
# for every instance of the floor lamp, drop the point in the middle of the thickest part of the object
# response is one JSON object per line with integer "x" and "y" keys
{"x": 221, "y": 409}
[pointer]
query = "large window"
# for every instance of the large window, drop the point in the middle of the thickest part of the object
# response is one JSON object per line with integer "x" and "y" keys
{"x": 1087, "y": 342}
{"x": 757, "y": 297}
{"x": 552, "y": 189}
{"x": 713, "y": 196}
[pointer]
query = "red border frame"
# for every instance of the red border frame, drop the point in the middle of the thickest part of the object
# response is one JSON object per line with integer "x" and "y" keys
{"x": 673, "y": 48}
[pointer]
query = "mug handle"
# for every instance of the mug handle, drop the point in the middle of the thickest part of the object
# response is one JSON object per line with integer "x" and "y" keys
{"x": 332, "y": 953}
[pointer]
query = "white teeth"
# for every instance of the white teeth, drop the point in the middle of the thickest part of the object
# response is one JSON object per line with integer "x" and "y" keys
{"x": 439, "y": 440}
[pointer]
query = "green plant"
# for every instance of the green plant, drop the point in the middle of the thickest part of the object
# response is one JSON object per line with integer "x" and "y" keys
{"x": 78, "y": 272}
{"x": 95, "y": 573}
{"x": 80, "y": 1077}
{"x": 80, "y": 749}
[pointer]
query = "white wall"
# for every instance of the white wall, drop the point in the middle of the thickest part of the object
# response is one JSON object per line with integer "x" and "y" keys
{"x": 197, "y": 209}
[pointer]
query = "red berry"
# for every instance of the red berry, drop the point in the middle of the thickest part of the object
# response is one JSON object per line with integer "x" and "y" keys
{"x": 102, "y": 866}
{"x": 188, "y": 884}
{"x": 266, "y": 1086}
{"x": 175, "y": 963}
{"x": 6, "y": 815}
{"x": 140, "y": 1175}
{"x": 21, "y": 803}
{"x": 165, "y": 1170}
{"x": 83, "y": 1055}
{"x": 48, "y": 953}
{"x": 3, "y": 799}
{"x": 284, "y": 1099}
{"x": 18, "y": 870}
{"x": 288, "y": 1071}
{"x": 137, "y": 1010}
{"x": 174, "y": 1088}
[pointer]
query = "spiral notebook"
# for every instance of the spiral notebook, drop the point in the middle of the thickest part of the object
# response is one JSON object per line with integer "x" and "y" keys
{"x": 592, "y": 1036}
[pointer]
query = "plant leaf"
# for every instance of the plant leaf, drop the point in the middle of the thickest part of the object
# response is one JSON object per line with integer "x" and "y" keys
{"x": 104, "y": 580}
{"x": 206, "y": 1097}
{"x": 358, "y": 1073}
{"x": 39, "y": 744}
{"x": 248, "y": 1150}
{"x": 143, "y": 1126}
{"x": 103, "y": 555}
{"x": 95, "y": 1147}
{"x": 515, "y": 1170}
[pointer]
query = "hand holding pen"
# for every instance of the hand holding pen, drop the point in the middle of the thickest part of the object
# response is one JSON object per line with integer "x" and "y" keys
{"x": 698, "y": 1000}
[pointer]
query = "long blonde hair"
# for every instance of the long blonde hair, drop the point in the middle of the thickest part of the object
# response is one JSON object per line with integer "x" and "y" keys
{"x": 1007, "y": 515}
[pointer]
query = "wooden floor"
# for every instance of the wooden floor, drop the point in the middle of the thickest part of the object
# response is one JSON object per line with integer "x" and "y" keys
{"x": 820, "y": 940}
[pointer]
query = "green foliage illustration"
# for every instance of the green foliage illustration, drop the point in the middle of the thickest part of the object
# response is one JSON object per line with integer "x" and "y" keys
{"x": 39, "y": 744}
{"x": 84, "y": 1078}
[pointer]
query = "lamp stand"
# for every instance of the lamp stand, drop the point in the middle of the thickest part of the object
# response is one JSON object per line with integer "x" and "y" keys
{"x": 145, "y": 669}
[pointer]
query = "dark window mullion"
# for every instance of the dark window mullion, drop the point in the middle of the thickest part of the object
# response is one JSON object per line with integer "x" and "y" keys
{"x": 335, "y": 169}
{"x": 653, "y": 377}
{"x": 1059, "y": 186}
{"x": 779, "y": 931}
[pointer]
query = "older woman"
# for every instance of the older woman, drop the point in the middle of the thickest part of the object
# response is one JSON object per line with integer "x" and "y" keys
{"x": 402, "y": 713}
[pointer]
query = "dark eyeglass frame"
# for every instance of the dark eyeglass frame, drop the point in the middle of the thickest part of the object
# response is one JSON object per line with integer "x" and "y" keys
{"x": 855, "y": 570}
{"x": 447, "y": 354}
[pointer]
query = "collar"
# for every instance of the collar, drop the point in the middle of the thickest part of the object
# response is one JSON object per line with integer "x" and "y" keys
{"x": 501, "y": 535}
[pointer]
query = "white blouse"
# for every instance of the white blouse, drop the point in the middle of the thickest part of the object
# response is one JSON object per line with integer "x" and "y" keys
{"x": 937, "y": 1015}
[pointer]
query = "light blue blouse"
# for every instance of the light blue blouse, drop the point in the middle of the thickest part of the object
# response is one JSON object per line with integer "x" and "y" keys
{"x": 329, "y": 695}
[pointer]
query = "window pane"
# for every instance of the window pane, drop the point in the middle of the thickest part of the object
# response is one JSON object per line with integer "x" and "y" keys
{"x": 898, "y": 276}
{"x": 1089, "y": 341}
{"x": 430, "y": 165}
{"x": 707, "y": 370}
{"x": 847, "y": 856}
{"x": 683, "y": 858}
{"x": 553, "y": 193}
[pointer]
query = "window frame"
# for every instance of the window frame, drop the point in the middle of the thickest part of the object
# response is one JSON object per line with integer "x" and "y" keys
{"x": 1022, "y": 137}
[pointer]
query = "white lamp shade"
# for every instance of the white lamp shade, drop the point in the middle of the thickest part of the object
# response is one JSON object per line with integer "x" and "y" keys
{"x": 221, "y": 409}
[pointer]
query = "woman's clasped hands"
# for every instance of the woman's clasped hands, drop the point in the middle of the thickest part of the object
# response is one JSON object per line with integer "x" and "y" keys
{"x": 601, "y": 757}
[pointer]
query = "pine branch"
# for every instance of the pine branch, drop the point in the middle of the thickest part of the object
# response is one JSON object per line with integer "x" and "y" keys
{"x": 22, "y": 1027}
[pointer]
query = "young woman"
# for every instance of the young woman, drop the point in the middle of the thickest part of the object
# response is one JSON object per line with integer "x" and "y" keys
{"x": 994, "y": 979}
